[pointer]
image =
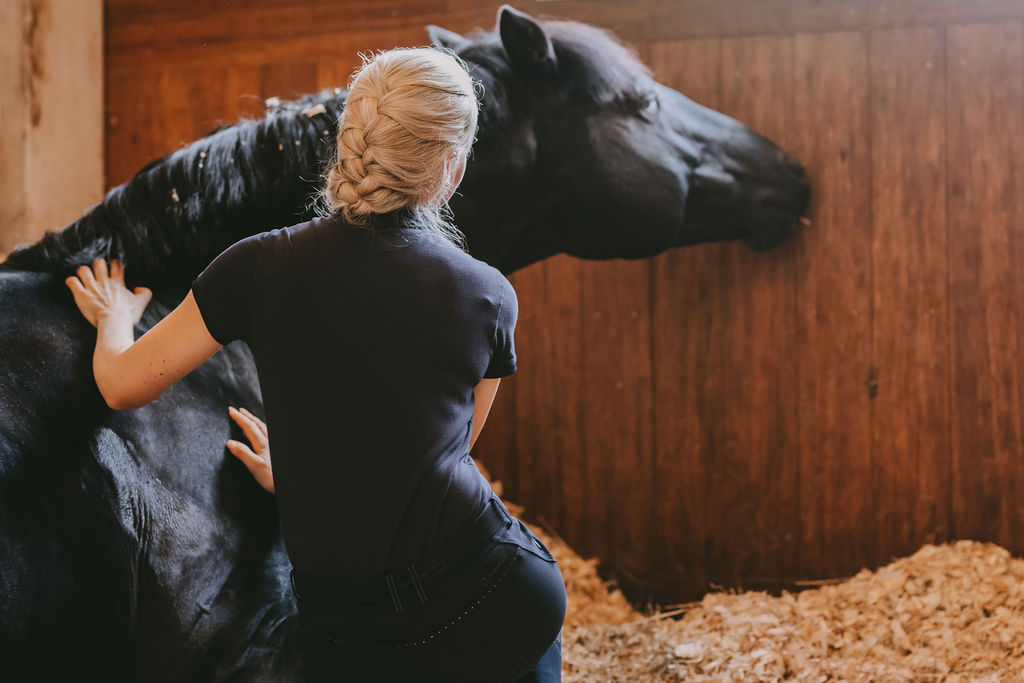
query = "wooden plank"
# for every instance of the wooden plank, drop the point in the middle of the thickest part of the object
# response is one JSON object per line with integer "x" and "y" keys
{"x": 734, "y": 18}
{"x": 156, "y": 27}
{"x": 193, "y": 103}
{"x": 986, "y": 144}
{"x": 684, "y": 302}
{"x": 834, "y": 303}
{"x": 243, "y": 95}
{"x": 617, "y": 390}
{"x": 551, "y": 462}
{"x": 336, "y": 74}
{"x": 748, "y": 405}
{"x": 289, "y": 80}
{"x": 910, "y": 293}
{"x": 152, "y": 31}
{"x": 910, "y": 13}
{"x": 135, "y": 123}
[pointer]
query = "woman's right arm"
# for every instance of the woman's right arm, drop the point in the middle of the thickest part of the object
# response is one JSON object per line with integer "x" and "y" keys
{"x": 483, "y": 397}
{"x": 130, "y": 373}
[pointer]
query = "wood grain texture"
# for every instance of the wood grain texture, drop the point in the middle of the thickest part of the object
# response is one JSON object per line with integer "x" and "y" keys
{"x": 552, "y": 468}
{"x": 749, "y": 404}
{"x": 833, "y": 273}
{"x": 152, "y": 32}
{"x": 910, "y": 293}
{"x": 683, "y": 299}
{"x": 617, "y": 388}
{"x": 984, "y": 106}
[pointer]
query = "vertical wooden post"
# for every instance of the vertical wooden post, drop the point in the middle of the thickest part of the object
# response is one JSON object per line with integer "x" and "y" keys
{"x": 51, "y": 115}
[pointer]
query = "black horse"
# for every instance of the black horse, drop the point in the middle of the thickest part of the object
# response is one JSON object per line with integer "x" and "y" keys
{"x": 131, "y": 548}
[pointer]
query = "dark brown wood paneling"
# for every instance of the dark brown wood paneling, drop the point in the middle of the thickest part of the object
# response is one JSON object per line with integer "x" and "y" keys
{"x": 153, "y": 32}
{"x": 683, "y": 303}
{"x": 549, "y": 398}
{"x": 136, "y": 130}
{"x": 260, "y": 30}
{"x": 833, "y": 274}
{"x": 910, "y": 336}
{"x": 748, "y": 401}
{"x": 986, "y": 203}
{"x": 616, "y": 384}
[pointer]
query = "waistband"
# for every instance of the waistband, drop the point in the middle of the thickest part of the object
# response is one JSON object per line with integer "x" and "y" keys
{"x": 407, "y": 585}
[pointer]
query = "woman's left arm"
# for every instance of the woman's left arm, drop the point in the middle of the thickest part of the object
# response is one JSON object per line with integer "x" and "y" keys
{"x": 132, "y": 373}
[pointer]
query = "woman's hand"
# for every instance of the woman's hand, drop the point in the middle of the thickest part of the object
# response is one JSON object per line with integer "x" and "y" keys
{"x": 257, "y": 458}
{"x": 101, "y": 294}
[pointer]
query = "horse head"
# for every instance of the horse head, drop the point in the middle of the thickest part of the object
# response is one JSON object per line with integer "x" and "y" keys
{"x": 585, "y": 153}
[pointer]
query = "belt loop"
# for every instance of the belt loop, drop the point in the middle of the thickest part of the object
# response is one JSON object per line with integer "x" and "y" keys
{"x": 420, "y": 593}
{"x": 396, "y": 601}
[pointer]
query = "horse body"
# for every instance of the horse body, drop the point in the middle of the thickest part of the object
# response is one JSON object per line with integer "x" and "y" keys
{"x": 127, "y": 552}
{"x": 131, "y": 548}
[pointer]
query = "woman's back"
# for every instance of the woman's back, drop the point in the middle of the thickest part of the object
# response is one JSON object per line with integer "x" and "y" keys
{"x": 368, "y": 348}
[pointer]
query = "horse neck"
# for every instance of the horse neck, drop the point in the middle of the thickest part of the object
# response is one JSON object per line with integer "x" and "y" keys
{"x": 170, "y": 220}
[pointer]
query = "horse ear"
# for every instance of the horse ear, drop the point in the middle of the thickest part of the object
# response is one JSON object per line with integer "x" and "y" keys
{"x": 442, "y": 37}
{"x": 526, "y": 43}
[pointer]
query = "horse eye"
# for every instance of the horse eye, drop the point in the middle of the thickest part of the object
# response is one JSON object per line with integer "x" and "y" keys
{"x": 650, "y": 103}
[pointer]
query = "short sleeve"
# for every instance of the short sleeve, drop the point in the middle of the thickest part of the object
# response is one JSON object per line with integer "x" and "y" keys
{"x": 223, "y": 292}
{"x": 503, "y": 360}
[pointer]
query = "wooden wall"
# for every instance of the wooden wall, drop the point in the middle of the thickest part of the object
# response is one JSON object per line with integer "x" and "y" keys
{"x": 715, "y": 415}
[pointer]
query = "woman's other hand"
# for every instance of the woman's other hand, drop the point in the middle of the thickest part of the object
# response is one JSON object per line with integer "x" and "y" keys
{"x": 257, "y": 458}
{"x": 101, "y": 293}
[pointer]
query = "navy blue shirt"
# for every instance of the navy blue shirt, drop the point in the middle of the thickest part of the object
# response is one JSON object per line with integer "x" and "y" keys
{"x": 368, "y": 348}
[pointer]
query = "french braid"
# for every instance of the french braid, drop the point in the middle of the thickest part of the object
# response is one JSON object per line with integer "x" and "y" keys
{"x": 407, "y": 112}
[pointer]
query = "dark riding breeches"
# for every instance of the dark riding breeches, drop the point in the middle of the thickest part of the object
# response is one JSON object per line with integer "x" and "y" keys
{"x": 494, "y": 615}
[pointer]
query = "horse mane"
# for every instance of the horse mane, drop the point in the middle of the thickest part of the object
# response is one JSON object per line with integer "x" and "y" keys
{"x": 181, "y": 210}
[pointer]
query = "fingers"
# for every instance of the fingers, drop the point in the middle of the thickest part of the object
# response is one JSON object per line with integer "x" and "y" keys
{"x": 99, "y": 272}
{"x": 259, "y": 423}
{"x": 75, "y": 285}
{"x": 250, "y": 427}
{"x": 245, "y": 418}
{"x": 243, "y": 453}
{"x": 99, "y": 267}
{"x": 145, "y": 293}
{"x": 85, "y": 275}
{"x": 258, "y": 466}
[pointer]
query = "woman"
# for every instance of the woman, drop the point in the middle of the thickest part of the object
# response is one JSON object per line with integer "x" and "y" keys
{"x": 371, "y": 324}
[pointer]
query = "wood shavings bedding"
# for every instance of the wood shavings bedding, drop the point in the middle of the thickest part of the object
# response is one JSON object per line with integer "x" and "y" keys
{"x": 950, "y": 614}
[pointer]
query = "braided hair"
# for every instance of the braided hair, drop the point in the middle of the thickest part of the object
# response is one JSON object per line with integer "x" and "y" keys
{"x": 408, "y": 111}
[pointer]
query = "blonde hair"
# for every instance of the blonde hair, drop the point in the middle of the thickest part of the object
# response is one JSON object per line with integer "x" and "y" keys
{"x": 407, "y": 111}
